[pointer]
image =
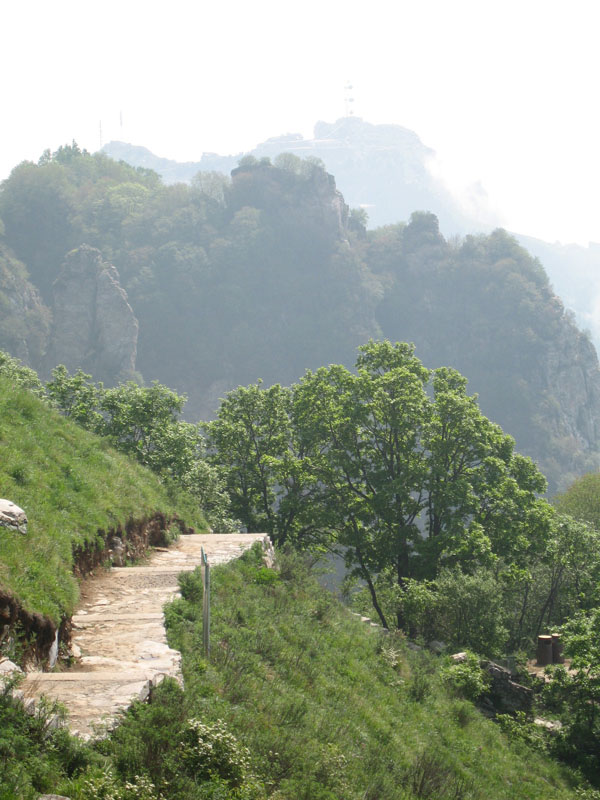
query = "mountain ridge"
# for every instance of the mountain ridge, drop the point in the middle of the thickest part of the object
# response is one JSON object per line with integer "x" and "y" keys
{"x": 385, "y": 170}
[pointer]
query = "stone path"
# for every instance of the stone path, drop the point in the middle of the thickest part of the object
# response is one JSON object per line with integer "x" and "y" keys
{"x": 118, "y": 635}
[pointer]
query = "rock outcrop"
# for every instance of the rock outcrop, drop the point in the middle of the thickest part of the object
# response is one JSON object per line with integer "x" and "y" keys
{"x": 307, "y": 199}
{"x": 504, "y": 695}
{"x": 571, "y": 375}
{"x": 12, "y": 517}
{"x": 24, "y": 319}
{"x": 94, "y": 326}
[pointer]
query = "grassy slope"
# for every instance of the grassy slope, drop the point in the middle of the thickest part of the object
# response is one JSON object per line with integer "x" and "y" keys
{"x": 71, "y": 484}
{"x": 329, "y": 708}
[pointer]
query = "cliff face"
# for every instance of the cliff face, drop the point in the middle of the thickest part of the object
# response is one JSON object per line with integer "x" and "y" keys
{"x": 486, "y": 308}
{"x": 24, "y": 319}
{"x": 94, "y": 326}
{"x": 569, "y": 388}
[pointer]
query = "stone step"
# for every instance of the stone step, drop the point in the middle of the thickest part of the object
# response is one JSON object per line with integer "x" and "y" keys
{"x": 126, "y": 572}
{"x": 40, "y": 679}
{"x": 118, "y": 633}
{"x": 89, "y": 619}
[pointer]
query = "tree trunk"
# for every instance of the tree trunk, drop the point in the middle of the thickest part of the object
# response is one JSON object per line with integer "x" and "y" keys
{"x": 367, "y": 577}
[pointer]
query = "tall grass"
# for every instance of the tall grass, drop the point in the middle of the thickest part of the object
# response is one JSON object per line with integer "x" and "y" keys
{"x": 299, "y": 701}
{"x": 333, "y": 709}
{"x": 71, "y": 485}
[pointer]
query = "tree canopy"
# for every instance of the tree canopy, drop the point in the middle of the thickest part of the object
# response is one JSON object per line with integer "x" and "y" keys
{"x": 394, "y": 462}
{"x": 582, "y": 499}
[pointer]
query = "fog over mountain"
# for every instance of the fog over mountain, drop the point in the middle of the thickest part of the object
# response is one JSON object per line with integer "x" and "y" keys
{"x": 385, "y": 169}
{"x": 389, "y": 172}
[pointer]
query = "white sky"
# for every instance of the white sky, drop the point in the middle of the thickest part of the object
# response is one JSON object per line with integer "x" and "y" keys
{"x": 505, "y": 92}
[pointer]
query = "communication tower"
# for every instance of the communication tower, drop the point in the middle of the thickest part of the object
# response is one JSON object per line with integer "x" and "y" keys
{"x": 348, "y": 99}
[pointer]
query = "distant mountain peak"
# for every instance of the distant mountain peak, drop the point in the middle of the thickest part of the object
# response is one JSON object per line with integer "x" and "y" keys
{"x": 384, "y": 168}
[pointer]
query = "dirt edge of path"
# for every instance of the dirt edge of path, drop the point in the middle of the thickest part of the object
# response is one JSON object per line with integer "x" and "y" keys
{"x": 29, "y": 636}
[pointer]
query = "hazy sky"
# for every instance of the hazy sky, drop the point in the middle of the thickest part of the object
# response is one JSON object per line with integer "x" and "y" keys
{"x": 505, "y": 92}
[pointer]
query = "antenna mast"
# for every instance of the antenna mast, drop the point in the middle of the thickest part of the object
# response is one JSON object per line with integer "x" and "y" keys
{"x": 348, "y": 99}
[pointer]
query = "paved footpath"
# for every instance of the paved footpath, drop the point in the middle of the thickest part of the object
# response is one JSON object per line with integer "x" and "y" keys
{"x": 119, "y": 636}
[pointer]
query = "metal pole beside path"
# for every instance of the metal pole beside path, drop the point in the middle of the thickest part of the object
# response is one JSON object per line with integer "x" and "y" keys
{"x": 205, "y": 605}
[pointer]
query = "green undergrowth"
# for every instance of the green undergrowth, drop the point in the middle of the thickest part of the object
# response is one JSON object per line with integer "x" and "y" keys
{"x": 332, "y": 709}
{"x": 72, "y": 485}
{"x": 300, "y": 701}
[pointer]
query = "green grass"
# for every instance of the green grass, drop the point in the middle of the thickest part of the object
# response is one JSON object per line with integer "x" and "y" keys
{"x": 71, "y": 485}
{"x": 300, "y": 701}
{"x": 332, "y": 709}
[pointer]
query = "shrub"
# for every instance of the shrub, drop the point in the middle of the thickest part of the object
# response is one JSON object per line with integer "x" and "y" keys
{"x": 466, "y": 678}
{"x": 208, "y": 751}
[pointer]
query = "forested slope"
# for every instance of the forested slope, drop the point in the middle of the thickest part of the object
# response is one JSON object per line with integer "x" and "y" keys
{"x": 387, "y": 170}
{"x": 268, "y": 273}
{"x": 484, "y": 306}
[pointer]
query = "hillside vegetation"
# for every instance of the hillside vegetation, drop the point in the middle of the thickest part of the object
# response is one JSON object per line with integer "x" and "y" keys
{"x": 327, "y": 706}
{"x": 75, "y": 488}
{"x": 299, "y": 698}
{"x": 301, "y": 701}
{"x": 386, "y": 169}
{"x": 269, "y": 273}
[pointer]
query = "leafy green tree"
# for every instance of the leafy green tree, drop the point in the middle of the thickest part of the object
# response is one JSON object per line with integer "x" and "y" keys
{"x": 139, "y": 419}
{"x": 576, "y": 693}
{"x": 266, "y": 469}
{"x": 415, "y": 481}
{"x": 582, "y": 646}
{"x": 470, "y": 611}
{"x": 21, "y": 375}
{"x": 211, "y": 185}
{"x": 582, "y": 499}
{"x": 560, "y": 581}
{"x": 460, "y": 609}
{"x": 77, "y": 397}
{"x": 394, "y": 462}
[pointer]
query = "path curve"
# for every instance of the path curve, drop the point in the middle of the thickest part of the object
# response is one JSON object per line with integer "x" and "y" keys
{"x": 119, "y": 637}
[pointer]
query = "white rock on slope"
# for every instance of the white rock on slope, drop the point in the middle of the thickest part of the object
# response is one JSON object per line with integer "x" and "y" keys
{"x": 12, "y": 517}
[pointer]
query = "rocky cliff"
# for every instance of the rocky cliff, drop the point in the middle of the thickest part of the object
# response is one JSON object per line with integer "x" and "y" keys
{"x": 568, "y": 378}
{"x": 485, "y": 307}
{"x": 24, "y": 319}
{"x": 296, "y": 192}
{"x": 94, "y": 326}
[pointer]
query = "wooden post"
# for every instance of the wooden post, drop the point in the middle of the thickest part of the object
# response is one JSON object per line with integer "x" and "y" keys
{"x": 544, "y": 650}
{"x": 206, "y": 605}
